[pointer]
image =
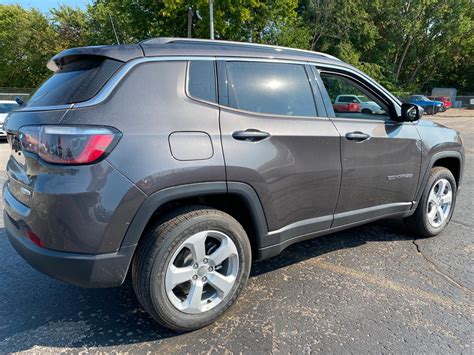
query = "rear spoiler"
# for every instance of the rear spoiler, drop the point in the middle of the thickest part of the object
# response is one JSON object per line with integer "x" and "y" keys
{"x": 123, "y": 53}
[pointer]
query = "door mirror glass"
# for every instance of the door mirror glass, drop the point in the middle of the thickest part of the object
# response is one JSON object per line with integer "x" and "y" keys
{"x": 410, "y": 112}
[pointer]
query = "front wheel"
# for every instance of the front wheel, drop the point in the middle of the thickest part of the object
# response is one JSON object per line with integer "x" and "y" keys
{"x": 436, "y": 205}
{"x": 191, "y": 267}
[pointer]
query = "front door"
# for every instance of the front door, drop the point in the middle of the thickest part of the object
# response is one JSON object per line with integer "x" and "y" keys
{"x": 275, "y": 140}
{"x": 381, "y": 157}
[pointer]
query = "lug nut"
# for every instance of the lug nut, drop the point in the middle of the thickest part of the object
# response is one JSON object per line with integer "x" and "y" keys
{"x": 211, "y": 269}
{"x": 205, "y": 261}
{"x": 204, "y": 279}
{"x": 195, "y": 266}
{"x": 195, "y": 277}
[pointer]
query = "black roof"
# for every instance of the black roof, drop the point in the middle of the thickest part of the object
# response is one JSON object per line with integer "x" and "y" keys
{"x": 189, "y": 46}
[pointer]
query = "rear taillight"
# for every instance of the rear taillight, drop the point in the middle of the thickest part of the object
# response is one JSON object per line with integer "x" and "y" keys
{"x": 68, "y": 144}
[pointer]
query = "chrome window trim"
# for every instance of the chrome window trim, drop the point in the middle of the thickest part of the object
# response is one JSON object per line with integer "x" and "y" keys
{"x": 272, "y": 115}
{"x": 109, "y": 87}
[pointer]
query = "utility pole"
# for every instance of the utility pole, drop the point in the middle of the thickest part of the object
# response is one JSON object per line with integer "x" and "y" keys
{"x": 211, "y": 19}
{"x": 190, "y": 21}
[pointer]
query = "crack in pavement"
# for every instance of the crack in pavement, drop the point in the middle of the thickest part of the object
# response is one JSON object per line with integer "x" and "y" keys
{"x": 461, "y": 223}
{"x": 437, "y": 270}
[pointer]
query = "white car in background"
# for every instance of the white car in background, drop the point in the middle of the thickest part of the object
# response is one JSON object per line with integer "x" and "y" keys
{"x": 5, "y": 107}
{"x": 366, "y": 106}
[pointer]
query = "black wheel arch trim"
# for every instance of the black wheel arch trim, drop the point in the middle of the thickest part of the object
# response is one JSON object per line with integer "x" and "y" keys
{"x": 434, "y": 158}
{"x": 159, "y": 198}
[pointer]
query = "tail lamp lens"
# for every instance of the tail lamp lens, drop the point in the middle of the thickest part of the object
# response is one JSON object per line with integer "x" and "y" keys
{"x": 68, "y": 144}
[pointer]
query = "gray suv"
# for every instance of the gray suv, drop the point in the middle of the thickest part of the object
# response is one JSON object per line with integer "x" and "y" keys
{"x": 184, "y": 160}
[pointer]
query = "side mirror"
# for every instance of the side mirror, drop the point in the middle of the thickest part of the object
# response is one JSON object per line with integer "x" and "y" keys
{"x": 410, "y": 112}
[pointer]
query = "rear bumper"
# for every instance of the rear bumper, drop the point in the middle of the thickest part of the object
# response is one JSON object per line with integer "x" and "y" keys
{"x": 84, "y": 270}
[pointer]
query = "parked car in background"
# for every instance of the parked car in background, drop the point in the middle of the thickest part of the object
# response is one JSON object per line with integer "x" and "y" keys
{"x": 6, "y": 106}
{"x": 184, "y": 160}
{"x": 346, "y": 103}
{"x": 366, "y": 105}
{"x": 431, "y": 107}
{"x": 444, "y": 99}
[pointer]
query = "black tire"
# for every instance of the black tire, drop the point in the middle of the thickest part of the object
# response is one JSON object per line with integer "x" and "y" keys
{"x": 418, "y": 222}
{"x": 156, "y": 249}
{"x": 366, "y": 110}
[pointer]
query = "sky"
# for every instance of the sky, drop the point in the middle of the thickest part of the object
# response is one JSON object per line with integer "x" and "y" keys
{"x": 45, "y": 5}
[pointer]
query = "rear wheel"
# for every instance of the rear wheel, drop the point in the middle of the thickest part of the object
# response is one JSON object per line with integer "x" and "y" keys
{"x": 191, "y": 267}
{"x": 366, "y": 111}
{"x": 436, "y": 205}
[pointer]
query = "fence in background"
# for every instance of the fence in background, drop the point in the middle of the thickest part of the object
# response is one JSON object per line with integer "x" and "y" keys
{"x": 464, "y": 102}
{"x": 11, "y": 93}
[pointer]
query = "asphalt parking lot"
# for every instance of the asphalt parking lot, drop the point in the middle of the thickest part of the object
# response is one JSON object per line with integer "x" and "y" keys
{"x": 374, "y": 289}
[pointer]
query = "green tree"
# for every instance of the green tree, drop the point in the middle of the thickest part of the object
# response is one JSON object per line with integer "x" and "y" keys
{"x": 27, "y": 42}
{"x": 72, "y": 26}
{"x": 243, "y": 20}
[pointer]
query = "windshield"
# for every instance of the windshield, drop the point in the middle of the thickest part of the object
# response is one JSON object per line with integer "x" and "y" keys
{"x": 7, "y": 107}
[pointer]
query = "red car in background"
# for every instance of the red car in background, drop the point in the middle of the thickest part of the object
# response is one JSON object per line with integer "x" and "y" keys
{"x": 346, "y": 107}
{"x": 444, "y": 99}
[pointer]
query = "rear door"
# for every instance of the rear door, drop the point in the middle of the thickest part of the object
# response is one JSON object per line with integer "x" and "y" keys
{"x": 381, "y": 157}
{"x": 277, "y": 139}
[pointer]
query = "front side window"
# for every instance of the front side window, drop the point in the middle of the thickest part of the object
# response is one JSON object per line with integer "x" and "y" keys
{"x": 202, "y": 80}
{"x": 270, "y": 88}
{"x": 351, "y": 100}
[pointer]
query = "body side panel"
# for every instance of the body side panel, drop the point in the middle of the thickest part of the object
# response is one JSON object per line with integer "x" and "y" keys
{"x": 148, "y": 106}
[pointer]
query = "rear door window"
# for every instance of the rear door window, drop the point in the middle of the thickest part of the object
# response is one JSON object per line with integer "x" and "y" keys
{"x": 75, "y": 81}
{"x": 270, "y": 88}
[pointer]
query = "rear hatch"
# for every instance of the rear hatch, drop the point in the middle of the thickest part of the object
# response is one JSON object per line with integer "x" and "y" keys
{"x": 78, "y": 75}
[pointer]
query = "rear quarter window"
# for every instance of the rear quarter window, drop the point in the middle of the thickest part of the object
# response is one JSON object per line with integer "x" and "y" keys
{"x": 75, "y": 81}
{"x": 202, "y": 80}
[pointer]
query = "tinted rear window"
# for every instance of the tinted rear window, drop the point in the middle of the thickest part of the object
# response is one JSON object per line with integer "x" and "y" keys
{"x": 75, "y": 82}
{"x": 202, "y": 80}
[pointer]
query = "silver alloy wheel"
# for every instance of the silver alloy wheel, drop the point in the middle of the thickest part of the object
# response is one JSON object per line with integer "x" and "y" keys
{"x": 202, "y": 272}
{"x": 439, "y": 203}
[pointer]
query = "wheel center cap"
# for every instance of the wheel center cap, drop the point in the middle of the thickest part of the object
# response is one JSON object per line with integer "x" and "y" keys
{"x": 202, "y": 271}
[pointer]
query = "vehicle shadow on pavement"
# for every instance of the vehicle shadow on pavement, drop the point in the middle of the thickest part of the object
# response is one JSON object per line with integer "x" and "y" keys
{"x": 381, "y": 231}
{"x": 37, "y": 312}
